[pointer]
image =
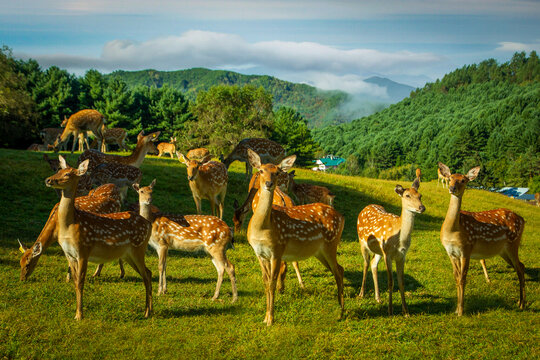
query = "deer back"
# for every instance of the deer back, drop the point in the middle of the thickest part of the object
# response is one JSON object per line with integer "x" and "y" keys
{"x": 375, "y": 222}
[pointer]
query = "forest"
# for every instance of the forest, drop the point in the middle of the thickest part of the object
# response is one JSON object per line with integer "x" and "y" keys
{"x": 485, "y": 114}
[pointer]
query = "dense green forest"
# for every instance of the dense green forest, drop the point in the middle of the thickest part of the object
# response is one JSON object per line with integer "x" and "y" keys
{"x": 319, "y": 107}
{"x": 486, "y": 114}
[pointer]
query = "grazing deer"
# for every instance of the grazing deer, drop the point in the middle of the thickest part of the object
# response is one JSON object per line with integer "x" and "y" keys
{"x": 207, "y": 180}
{"x": 120, "y": 175}
{"x": 442, "y": 178}
{"x": 104, "y": 199}
{"x": 479, "y": 235}
{"x": 198, "y": 154}
{"x": 82, "y": 122}
{"x": 309, "y": 194}
{"x": 251, "y": 202}
{"x": 145, "y": 145}
{"x": 290, "y": 234}
{"x": 419, "y": 174}
{"x": 188, "y": 233}
{"x": 49, "y": 136}
{"x": 269, "y": 151}
{"x": 388, "y": 236}
{"x": 169, "y": 148}
{"x": 96, "y": 237}
{"x": 112, "y": 136}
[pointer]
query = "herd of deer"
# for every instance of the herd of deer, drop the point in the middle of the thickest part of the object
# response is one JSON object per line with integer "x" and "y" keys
{"x": 89, "y": 226}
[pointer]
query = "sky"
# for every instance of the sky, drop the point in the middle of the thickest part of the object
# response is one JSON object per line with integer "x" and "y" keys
{"x": 329, "y": 44}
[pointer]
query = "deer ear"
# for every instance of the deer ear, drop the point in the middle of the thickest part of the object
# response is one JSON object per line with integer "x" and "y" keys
{"x": 83, "y": 167}
{"x": 254, "y": 159}
{"x": 445, "y": 170}
{"x": 136, "y": 187}
{"x": 206, "y": 159}
{"x": 416, "y": 184}
{"x": 473, "y": 173}
{"x": 287, "y": 163}
{"x": 292, "y": 173}
{"x": 140, "y": 136}
{"x": 37, "y": 249}
{"x": 22, "y": 248}
{"x": 62, "y": 161}
{"x": 181, "y": 158}
{"x": 151, "y": 186}
{"x": 399, "y": 190}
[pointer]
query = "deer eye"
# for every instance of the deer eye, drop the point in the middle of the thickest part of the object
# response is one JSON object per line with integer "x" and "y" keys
{"x": 407, "y": 196}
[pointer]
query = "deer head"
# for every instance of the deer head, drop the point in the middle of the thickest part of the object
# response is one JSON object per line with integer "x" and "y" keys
{"x": 148, "y": 141}
{"x": 66, "y": 175}
{"x": 29, "y": 259}
{"x": 411, "y": 199}
{"x": 458, "y": 182}
{"x": 192, "y": 165}
{"x": 269, "y": 172}
{"x": 145, "y": 193}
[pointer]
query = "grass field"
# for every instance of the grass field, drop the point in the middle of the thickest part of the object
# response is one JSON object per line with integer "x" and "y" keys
{"x": 36, "y": 317}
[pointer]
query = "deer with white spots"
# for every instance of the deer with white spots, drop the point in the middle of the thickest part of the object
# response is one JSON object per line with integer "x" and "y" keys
{"x": 308, "y": 193}
{"x": 87, "y": 236}
{"x": 121, "y": 175}
{"x": 188, "y": 233}
{"x": 80, "y": 123}
{"x": 443, "y": 179}
{"x": 145, "y": 145}
{"x": 388, "y": 236}
{"x": 105, "y": 199}
{"x": 167, "y": 148}
{"x": 112, "y": 136}
{"x": 269, "y": 151}
{"x": 198, "y": 154}
{"x": 279, "y": 234}
{"x": 252, "y": 201}
{"x": 479, "y": 235}
{"x": 207, "y": 180}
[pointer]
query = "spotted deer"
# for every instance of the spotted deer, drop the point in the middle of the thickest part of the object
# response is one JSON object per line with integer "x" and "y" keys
{"x": 442, "y": 178}
{"x": 121, "y": 175}
{"x": 207, "y": 180}
{"x": 85, "y": 182}
{"x": 478, "y": 235}
{"x": 112, "y": 136}
{"x": 169, "y": 148}
{"x": 145, "y": 145}
{"x": 104, "y": 199}
{"x": 49, "y": 136}
{"x": 279, "y": 234}
{"x": 251, "y": 202}
{"x": 418, "y": 174}
{"x": 269, "y": 151}
{"x": 385, "y": 235}
{"x": 82, "y": 122}
{"x": 189, "y": 233}
{"x": 308, "y": 193}
{"x": 87, "y": 236}
{"x": 198, "y": 154}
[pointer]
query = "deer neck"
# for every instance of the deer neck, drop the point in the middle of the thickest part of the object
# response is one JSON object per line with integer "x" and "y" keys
{"x": 137, "y": 156}
{"x": 47, "y": 235}
{"x": 407, "y": 224}
{"x": 262, "y": 213}
{"x": 145, "y": 210}
{"x": 66, "y": 207}
{"x": 451, "y": 221}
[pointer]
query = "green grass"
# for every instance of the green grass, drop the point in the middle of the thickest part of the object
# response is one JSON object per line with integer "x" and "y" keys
{"x": 36, "y": 317}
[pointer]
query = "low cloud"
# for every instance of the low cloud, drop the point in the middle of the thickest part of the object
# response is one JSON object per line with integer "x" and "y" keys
{"x": 516, "y": 46}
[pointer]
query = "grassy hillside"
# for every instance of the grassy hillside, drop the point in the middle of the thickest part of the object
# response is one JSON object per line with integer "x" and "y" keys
{"x": 36, "y": 317}
{"x": 317, "y": 106}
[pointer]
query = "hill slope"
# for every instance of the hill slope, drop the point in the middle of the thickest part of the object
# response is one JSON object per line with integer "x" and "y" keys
{"x": 396, "y": 91}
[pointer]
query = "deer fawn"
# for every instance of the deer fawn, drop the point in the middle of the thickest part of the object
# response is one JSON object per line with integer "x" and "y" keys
{"x": 419, "y": 174}
{"x": 278, "y": 233}
{"x": 386, "y": 235}
{"x": 309, "y": 194}
{"x": 269, "y": 151}
{"x": 96, "y": 237}
{"x": 169, "y": 148}
{"x": 207, "y": 180}
{"x": 188, "y": 233}
{"x": 105, "y": 199}
{"x": 81, "y": 122}
{"x": 198, "y": 154}
{"x": 479, "y": 235}
{"x": 442, "y": 178}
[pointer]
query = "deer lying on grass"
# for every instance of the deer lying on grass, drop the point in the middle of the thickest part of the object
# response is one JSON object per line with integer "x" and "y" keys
{"x": 96, "y": 237}
{"x": 207, "y": 180}
{"x": 105, "y": 199}
{"x": 188, "y": 233}
{"x": 269, "y": 151}
{"x": 309, "y": 194}
{"x": 479, "y": 235}
{"x": 290, "y": 234}
{"x": 386, "y": 235}
{"x": 80, "y": 123}
{"x": 251, "y": 202}
{"x": 198, "y": 154}
{"x": 169, "y": 148}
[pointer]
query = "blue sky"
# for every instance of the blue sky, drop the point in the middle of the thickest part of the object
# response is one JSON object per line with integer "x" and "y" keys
{"x": 329, "y": 44}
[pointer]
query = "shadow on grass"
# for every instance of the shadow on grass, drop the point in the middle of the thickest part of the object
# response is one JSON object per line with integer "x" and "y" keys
{"x": 355, "y": 279}
{"x": 197, "y": 311}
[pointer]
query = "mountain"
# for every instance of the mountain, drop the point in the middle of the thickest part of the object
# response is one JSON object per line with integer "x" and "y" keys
{"x": 396, "y": 91}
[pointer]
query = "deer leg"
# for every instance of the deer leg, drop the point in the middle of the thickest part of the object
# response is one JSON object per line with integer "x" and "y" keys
{"x": 328, "y": 259}
{"x": 462, "y": 283}
{"x": 374, "y": 273}
{"x": 513, "y": 259}
{"x": 366, "y": 256}
{"x": 281, "y": 277}
{"x": 135, "y": 258}
{"x": 229, "y": 267}
{"x": 484, "y": 268}
{"x": 400, "y": 270}
{"x": 297, "y": 270}
{"x": 213, "y": 202}
{"x": 198, "y": 204}
{"x": 75, "y": 138}
{"x": 220, "y": 268}
{"x": 162, "y": 267}
{"x": 79, "y": 286}
{"x": 388, "y": 261}
{"x": 121, "y": 265}
{"x": 275, "y": 265}
{"x": 68, "y": 274}
{"x": 86, "y": 142}
{"x": 98, "y": 270}
{"x": 265, "y": 271}
{"x": 222, "y": 202}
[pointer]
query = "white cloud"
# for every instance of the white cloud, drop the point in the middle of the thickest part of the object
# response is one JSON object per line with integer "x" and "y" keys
{"x": 515, "y": 46}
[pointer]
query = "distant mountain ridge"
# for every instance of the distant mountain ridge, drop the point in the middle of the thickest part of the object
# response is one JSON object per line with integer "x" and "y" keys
{"x": 396, "y": 91}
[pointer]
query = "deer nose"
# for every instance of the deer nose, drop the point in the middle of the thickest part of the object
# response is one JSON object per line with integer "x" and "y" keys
{"x": 422, "y": 208}
{"x": 269, "y": 184}
{"x": 48, "y": 182}
{"x": 191, "y": 178}
{"x": 452, "y": 188}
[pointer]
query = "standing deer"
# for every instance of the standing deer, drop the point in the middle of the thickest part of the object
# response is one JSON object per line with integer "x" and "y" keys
{"x": 269, "y": 151}
{"x": 105, "y": 199}
{"x": 290, "y": 234}
{"x": 188, "y": 233}
{"x": 478, "y": 235}
{"x": 388, "y": 236}
{"x": 309, "y": 194}
{"x": 198, "y": 154}
{"x": 419, "y": 174}
{"x": 207, "y": 180}
{"x": 112, "y": 136}
{"x": 169, "y": 148}
{"x": 96, "y": 237}
{"x": 442, "y": 178}
{"x": 82, "y": 122}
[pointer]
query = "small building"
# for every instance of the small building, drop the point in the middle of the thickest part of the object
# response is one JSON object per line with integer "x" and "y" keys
{"x": 517, "y": 193}
{"x": 328, "y": 162}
